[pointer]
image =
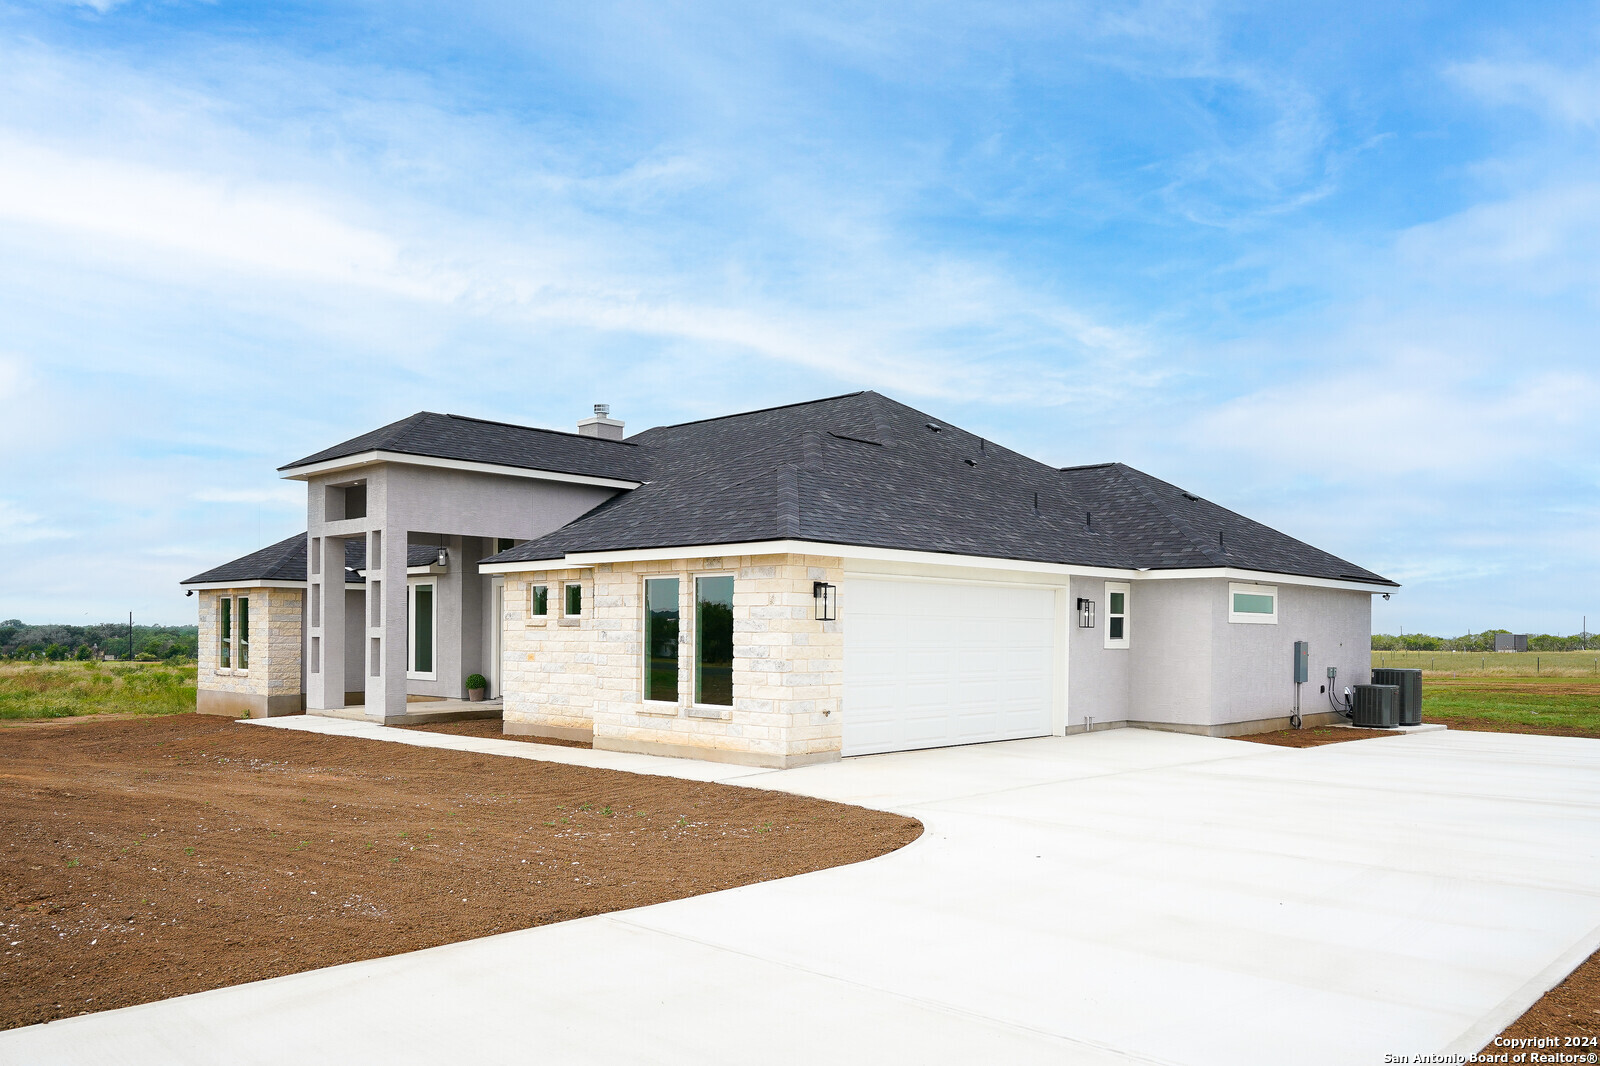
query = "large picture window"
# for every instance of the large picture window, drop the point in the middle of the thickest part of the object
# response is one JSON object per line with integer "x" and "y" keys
{"x": 661, "y": 639}
{"x": 422, "y": 623}
{"x": 713, "y": 641}
{"x": 1117, "y": 596}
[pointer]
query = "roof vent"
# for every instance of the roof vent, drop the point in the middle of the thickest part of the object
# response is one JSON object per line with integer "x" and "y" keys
{"x": 936, "y": 427}
{"x": 602, "y": 425}
{"x": 970, "y": 462}
{"x": 1191, "y": 497}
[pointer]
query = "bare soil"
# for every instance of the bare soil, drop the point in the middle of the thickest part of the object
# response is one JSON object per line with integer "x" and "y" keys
{"x": 1571, "y": 1009}
{"x": 489, "y": 728}
{"x": 1501, "y": 725}
{"x": 153, "y": 857}
{"x": 1315, "y": 736}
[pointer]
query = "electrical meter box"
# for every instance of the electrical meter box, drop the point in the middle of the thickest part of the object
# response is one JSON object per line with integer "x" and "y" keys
{"x": 1302, "y": 662}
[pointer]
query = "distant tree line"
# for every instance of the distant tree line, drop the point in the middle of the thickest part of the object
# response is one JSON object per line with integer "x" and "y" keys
{"x": 150, "y": 643}
{"x": 1478, "y": 642}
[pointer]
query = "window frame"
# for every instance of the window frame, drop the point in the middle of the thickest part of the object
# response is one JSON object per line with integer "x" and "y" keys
{"x": 1126, "y": 589}
{"x": 645, "y": 658}
{"x": 224, "y": 634}
{"x": 535, "y": 608}
{"x": 412, "y": 584}
{"x": 1250, "y": 588}
{"x": 694, "y": 677}
{"x": 241, "y": 635}
{"x": 566, "y": 599}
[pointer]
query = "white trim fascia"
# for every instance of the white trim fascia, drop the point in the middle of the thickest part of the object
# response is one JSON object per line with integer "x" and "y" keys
{"x": 212, "y": 586}
{"x": 1258, "y": 577}
{"x": 576, "y": 560}
{"x": 350, "y": 462}
{"x": 579, "y": 560}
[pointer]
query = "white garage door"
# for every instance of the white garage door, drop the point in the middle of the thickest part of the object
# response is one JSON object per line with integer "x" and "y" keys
{"x": 931, "y": 664}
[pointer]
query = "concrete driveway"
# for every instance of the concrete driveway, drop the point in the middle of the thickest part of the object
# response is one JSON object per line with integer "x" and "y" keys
{"x": 1128, "y": 896}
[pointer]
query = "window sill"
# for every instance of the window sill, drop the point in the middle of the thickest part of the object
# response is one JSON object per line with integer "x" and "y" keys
{"x": 710, "y": 710}
{"x": 540, "y": 621}
{"x": 658, "y": 708}
{"x": 572, "y": 621}
{"x": 1246, "y": 620}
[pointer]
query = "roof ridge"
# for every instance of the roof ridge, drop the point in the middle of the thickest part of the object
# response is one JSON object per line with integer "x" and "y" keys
{"x": 1182, "y": 524}
{"x": 762, "y": 410}
{"x": 533, "y": 429}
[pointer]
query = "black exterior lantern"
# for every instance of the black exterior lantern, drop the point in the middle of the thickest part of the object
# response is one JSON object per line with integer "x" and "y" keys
{"x": 1085, "y": 613}
{"x": 827, "y": 597}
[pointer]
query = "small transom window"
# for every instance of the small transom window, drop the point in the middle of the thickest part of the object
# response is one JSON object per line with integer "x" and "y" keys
{"x": 1252, "y": 603}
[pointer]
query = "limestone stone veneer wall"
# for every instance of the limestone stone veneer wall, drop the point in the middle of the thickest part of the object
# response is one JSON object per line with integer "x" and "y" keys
{"x": 583, "y": 678}
{"x": 273, "y": 684}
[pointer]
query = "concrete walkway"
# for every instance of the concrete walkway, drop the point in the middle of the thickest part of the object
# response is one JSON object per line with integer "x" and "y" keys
{"x": 1127, "y": 896}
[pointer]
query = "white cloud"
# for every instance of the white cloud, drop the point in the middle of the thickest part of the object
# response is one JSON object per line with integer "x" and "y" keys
{"x": 286, "y": 496}
{"x": 19, "y": 525}
{"x": 1566, "y": 94}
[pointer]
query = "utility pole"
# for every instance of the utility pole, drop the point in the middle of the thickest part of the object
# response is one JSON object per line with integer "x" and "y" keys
{"x": 130, "y": 636}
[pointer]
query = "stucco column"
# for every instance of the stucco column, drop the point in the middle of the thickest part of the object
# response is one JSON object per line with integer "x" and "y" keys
{"x": 386, "y": 629}
{"x": 324, "y": 648}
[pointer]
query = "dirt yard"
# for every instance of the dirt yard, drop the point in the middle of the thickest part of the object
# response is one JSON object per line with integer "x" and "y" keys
{"x": 151, "y": 857}
{"x": 1315, "y": 736}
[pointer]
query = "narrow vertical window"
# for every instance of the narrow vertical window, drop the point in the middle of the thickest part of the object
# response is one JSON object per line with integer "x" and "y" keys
{"x": 375, "y": 550}
{"x": 661, "y": 639}
{"x": 713, "y": 641}
{"x": 316, "y": 556}
{"x": 1117, "y": 594}
{"x": 244, "y": 633}
{"x": 422, "y": 626}
{"x": 375, "y": 593}
{"x": 539, "y": 601}
{"x": 316, "y": 655}
{"x": 316, "y": 605}
{"x": 225, "y": 634}
{"x": 574, "y": 603}
{"x": 375, "y": 662}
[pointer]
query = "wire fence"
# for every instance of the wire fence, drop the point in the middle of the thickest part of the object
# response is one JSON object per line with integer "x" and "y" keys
{"x": 1494, "y": 664}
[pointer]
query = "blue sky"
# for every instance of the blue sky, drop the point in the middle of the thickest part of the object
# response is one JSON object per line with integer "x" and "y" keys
{"x": 1335, "y": 267}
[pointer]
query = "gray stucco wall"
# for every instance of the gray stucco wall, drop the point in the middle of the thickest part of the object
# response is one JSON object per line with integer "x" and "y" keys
{"x": 355, "y": 628}
{"x": 1187, "y": 665}
{"x": 1253, "y": 665}
{"x": 1097, "y": 676}
{"x": 1173, "y": 633}
{"x": 463, "y": 511}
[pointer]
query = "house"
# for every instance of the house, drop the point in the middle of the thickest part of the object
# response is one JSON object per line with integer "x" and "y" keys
{"x": 783, "y": 586}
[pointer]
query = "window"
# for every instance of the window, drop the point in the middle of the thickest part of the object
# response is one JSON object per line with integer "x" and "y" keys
{"x": 713, "y": 641}
{"x": 538, "y": 601}
{"x": 233, "y": 633}
{"x": 660, "y": 639}
{"x": 224, "y": 636}
{"x": 242, "y": 641}
{"x": 502, "y": 544}
{"x": 1256, "y": 604}
{"x": 1117, "y": 595}
{"x": 574, "y": 600}
{"x": 421, "y": 624}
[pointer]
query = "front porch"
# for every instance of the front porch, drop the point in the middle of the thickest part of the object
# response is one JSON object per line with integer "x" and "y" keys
{"x": 420, "y": 710}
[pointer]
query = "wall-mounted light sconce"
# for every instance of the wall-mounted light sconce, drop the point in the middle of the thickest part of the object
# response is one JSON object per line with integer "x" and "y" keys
{"x": 827, "y": 597}
{"x": 444, "y": 557}
{"x": 1085, "y": 613}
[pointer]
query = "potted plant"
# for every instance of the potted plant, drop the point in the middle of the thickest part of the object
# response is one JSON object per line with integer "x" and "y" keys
{"x": 477, "y": 685}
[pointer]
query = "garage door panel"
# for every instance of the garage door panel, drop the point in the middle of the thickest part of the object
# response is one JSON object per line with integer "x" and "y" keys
{"x": 931, "y": 664}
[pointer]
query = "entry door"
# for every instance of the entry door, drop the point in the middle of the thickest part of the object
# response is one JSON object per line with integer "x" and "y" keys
{"x": 930, "y": 664}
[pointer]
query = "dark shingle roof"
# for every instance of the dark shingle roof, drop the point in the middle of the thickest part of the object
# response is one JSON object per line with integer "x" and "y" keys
{"x": 864, "y": 470}
{"x": 479, "y": 441}
{"x": 286, "y": 561}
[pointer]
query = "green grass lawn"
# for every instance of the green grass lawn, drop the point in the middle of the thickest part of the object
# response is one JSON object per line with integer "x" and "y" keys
{"x": 70, "y": 689}
{"x": 1566, "y": 705}
{"x": 1495, "y": 664}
